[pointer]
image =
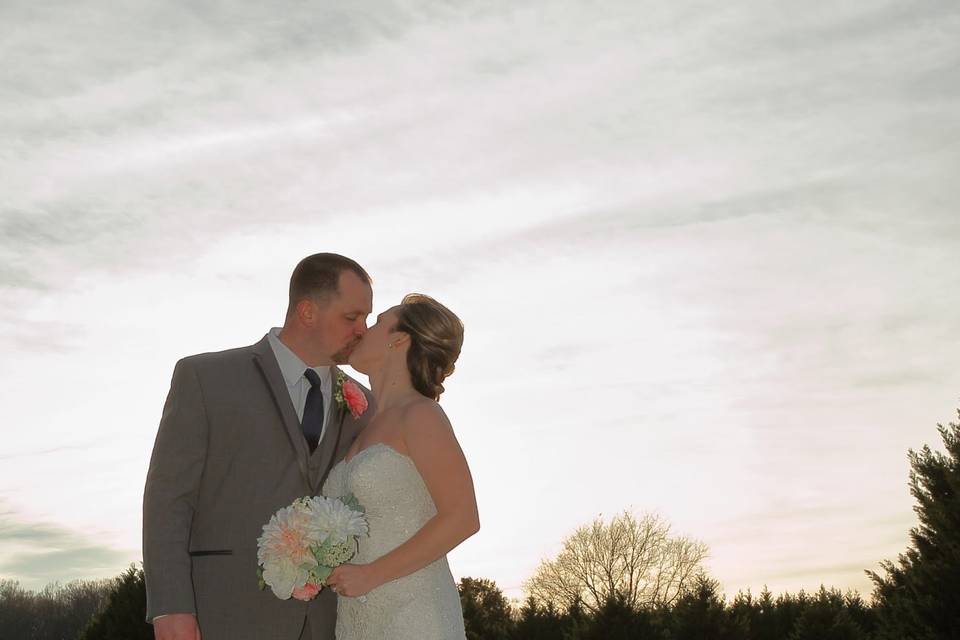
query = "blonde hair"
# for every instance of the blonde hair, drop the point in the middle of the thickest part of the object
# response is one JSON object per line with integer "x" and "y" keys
{"x": 436, "y": 337}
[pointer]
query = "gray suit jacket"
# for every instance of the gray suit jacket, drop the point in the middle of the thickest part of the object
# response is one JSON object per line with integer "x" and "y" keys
{"x": 229, "y": 453}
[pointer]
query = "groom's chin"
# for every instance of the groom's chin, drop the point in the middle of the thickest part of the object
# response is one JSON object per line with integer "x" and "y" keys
{"x": 346, "y": 357}
{"x": 342, "y": 356}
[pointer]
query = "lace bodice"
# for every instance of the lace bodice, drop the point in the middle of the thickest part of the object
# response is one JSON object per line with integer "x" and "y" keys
{"x": 424, "y": 605}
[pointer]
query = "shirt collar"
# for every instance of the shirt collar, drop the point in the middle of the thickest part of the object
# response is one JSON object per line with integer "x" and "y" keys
{"x": 291, "y": 366}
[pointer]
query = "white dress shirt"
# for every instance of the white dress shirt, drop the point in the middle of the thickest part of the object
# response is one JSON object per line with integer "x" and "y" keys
{"x": 292, "y": 368}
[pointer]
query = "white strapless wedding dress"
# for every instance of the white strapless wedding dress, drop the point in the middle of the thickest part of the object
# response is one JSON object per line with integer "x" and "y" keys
{"x": 424, "y": 605}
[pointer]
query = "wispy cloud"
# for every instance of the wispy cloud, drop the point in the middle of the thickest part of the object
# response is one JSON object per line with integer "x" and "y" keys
{"x": 38, "y": 553}
{"x": 43, "y": 452}
{"x": 137, "y": 132}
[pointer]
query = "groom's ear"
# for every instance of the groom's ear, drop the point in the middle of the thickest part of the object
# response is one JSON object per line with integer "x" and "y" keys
{"x": 307, "y": 312}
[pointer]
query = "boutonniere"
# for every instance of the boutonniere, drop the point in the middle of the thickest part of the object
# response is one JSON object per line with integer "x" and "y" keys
{"x": 349, "y": 395}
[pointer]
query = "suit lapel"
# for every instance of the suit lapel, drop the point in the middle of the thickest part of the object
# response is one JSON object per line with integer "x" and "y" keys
{"x": 328, "y": 448}
{"x": 330, "y": 443}
{"x": 266, "y": 362}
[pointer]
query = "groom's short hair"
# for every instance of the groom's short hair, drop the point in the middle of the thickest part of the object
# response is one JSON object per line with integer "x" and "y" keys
{"x": 318, "y": 276}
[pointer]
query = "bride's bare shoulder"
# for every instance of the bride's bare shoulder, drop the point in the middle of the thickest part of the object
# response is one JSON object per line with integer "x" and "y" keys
{"x": 424, "y": 415}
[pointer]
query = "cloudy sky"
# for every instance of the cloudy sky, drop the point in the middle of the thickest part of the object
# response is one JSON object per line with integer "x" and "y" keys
{"x": 706, "y": 253}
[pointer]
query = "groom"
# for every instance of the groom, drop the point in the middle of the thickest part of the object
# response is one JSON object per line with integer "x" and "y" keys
{"x": 244, "y": 432}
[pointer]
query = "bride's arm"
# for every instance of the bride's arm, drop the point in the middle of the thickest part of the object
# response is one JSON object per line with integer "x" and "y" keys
{"x": 438, "y": 457}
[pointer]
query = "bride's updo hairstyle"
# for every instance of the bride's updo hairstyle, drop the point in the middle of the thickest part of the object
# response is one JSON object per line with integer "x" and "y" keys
{"x": 436, "y": 335}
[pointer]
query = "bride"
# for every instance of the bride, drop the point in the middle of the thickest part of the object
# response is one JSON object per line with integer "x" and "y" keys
{"x": 409, "y": 473}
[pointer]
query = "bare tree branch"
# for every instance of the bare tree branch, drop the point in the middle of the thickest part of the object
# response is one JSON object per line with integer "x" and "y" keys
{"x": 636, "y": 558}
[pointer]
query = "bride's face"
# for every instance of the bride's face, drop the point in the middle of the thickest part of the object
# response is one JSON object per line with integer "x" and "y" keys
{"x": 373, "y": 349}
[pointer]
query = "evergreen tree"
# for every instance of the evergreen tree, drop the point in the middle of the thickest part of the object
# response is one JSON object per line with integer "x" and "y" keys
{"x": 576, "y": 613}
{"x": 769, "y": 621}
{"x": 540, "y": 623}
{"x": 616, "y": 620}
{"x": 826, "y": 617}
{"x": 788, "y": 610}
{"x": 123, "y": 618}
{"x": 860, "y": 612}
{"x": 486, "y": 612}
{"x": 919, "y": 597}
{"x": 821, "y": 624}
{"x": 702, "y": 614}
{"x": 744, "y": 614}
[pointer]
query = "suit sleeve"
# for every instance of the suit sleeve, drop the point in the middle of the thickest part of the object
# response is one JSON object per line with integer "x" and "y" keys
{"x": 170, "y": 495}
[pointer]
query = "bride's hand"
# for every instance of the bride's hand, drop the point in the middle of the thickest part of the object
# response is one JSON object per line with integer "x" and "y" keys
{"x": 352, "y": 580}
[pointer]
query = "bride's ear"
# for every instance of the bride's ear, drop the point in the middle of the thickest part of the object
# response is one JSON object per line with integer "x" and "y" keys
{"x": 399, "y": 338}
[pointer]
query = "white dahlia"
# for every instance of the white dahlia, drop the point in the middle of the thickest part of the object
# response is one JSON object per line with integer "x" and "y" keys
{"x": 334, "y": 522}
{"x": 284, "y": 577}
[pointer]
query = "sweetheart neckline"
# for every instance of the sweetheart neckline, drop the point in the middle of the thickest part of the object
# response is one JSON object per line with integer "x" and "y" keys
{"x": 346, "y": 461}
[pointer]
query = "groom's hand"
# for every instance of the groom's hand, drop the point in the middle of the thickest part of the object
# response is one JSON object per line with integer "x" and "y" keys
{"x": 176, "y": 626}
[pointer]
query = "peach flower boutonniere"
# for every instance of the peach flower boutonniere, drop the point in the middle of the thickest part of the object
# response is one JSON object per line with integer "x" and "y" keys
{"x": 349, "y": 395}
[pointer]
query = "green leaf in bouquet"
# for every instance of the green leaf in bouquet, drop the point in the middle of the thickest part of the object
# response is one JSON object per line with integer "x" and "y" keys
{"x": 351, "y": 501}
{"x": 319, "y": 574}
{"x": 260, "y": 581}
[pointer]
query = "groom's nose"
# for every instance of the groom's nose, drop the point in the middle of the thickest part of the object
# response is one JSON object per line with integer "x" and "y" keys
{"x": 360, "y": 327}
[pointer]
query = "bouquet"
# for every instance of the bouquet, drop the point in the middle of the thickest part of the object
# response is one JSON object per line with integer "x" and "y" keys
{"x": 302, "y": 544}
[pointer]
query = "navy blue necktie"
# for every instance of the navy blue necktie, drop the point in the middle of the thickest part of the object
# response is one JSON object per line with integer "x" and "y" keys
{"x": 312, "y": 423}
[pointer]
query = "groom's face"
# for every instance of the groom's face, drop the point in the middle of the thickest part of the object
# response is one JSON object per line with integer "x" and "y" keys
{"x": 343, "y": 320}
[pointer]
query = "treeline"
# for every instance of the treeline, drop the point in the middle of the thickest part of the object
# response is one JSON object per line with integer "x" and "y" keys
{"x": 80, "y": 610}
{"x": 55, "y": 613}
{"x": 588, "y": 592}
{"x": 700, "y": 614}
{"x": 115, "y": 610}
